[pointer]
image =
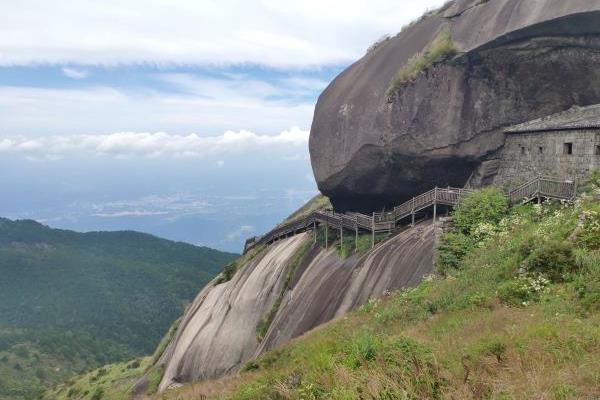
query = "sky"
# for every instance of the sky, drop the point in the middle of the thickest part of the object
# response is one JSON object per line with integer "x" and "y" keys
{"x": 188, "y": 119}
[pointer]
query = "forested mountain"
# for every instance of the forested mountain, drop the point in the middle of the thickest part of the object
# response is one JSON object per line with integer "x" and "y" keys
{"x": 71, "y": 301}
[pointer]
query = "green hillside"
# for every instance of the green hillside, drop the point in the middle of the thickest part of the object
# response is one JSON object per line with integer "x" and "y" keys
{"x": 512, "y": 313}
{"x": 73, "y": 301}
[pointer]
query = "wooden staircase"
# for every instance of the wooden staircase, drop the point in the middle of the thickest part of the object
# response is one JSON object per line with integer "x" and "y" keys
{"x": 537, "y": 188}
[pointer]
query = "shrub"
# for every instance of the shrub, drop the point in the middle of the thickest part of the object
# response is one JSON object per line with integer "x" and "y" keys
{"x": 514, "y": 293}
{"x": 440, "y": 49}
{"x": 589, "y": 236}
{"x": 451, "y": 251}
{"x": 486, "y": 206}
{"x": 552, "y": 258}
{"x": 229, "y": 271}
{"x": 493, "y": 347}
{"x": 522, "y": 291}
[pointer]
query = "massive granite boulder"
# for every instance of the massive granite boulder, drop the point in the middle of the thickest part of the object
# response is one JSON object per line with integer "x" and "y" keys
{"x": 515, "y": 60}
{"x": 218, "y": 332}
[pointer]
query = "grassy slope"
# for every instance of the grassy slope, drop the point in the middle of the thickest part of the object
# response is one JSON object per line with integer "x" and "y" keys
{"x": 71, "y": 301}
{"x": 318, "y": 202}
{"x": 468, "y": 335}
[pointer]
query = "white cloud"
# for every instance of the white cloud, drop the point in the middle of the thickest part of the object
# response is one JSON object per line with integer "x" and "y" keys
{"x": 74, "y": 73}
{"x": 144, "y": 144}
{"x": 266, "y": 32}
{"x": 210, "y": 105}
{"x": 133, "y": 213}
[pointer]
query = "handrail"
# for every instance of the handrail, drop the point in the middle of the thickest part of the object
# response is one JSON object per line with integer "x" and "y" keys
{"x": 541, "y": 186}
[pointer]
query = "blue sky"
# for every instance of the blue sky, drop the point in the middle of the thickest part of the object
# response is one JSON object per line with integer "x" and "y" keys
{"x": 186, "y": 119}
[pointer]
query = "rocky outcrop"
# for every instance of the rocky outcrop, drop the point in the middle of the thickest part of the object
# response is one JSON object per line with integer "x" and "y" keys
{"x": 517, "y": 60}
{"x": 218, "y": 332}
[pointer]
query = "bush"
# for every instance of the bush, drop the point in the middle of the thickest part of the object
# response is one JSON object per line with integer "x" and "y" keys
{"x": 523, "y": 290}
{"x": 589, "y": 236}
{"x": 452, "y": 249}
{"x": 486, "y": 206}
{"x": 493, "y": 347}
{"x": 440, "y": 49}
{"x": 552, "y": 258}
{"x": 514, "y": 293}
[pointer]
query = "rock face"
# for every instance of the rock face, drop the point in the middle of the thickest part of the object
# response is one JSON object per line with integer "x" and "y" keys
{"x": 517, "y": 60}
{"x": 218, "y": 332}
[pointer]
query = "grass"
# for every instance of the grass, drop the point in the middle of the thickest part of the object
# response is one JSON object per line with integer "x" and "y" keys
{"x": 454, "y": 337}
{"x": 318, "y": 202}
{"x": 111, "y": 382}
{"x": 440, "y": 49}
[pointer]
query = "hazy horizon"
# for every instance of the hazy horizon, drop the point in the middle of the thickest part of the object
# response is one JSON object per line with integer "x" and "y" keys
{"x": 189, "y": 121}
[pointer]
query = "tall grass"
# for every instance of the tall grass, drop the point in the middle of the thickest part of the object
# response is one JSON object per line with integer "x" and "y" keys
{"x": 440, "y": 49}
{"x": 457, "y": 337}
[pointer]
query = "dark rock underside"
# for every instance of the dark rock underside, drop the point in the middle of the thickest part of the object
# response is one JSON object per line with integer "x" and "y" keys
{"x": 447, "y": 125}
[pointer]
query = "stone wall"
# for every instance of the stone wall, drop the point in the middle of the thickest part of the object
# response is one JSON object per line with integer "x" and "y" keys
{"x": 566, "y": 154}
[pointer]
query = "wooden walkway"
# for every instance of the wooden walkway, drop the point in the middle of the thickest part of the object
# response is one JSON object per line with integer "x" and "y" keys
{"x": 538, "y": 188}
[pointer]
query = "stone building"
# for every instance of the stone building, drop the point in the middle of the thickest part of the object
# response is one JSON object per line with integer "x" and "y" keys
{"x": 565, "y": 145}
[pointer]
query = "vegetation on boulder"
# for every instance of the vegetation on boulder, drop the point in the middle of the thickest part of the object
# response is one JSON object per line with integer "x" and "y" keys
{"x": 440, "y": 49}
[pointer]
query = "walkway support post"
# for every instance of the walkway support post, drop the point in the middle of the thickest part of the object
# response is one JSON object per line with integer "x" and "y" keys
{"x": 434, "y": 204}
{"x": 413, "y": 212}
{"x": 341, "y": 236}
{"x": 326, "y": 235}
{"x": 539, "y": 189}
{"x": 373, "y": 230}
{"x": 356, "y": 232}
{"x": 315, "y": 230}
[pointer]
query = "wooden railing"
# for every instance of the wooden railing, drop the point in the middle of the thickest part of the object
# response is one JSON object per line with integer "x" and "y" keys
{"x": 540, "y": 187}
{"x": 543, "y": 187}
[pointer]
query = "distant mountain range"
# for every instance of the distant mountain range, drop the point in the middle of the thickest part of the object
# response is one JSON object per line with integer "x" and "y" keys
{"x": 71, "y": 301}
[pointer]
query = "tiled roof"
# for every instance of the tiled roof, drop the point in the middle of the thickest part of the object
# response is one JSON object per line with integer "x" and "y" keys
{"x": 573, "y": 119}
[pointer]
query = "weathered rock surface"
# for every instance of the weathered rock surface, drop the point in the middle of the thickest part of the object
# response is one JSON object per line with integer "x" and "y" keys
{"x": 517, "y": 60}
{"x": 218, "y": 332}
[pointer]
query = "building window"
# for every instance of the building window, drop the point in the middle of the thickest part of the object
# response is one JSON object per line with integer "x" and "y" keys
{"x": 568, "y": 148}
{"x": 541, "y": 150}
{"x": 523, "y": 151}
{"x": 598, "y": 149}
